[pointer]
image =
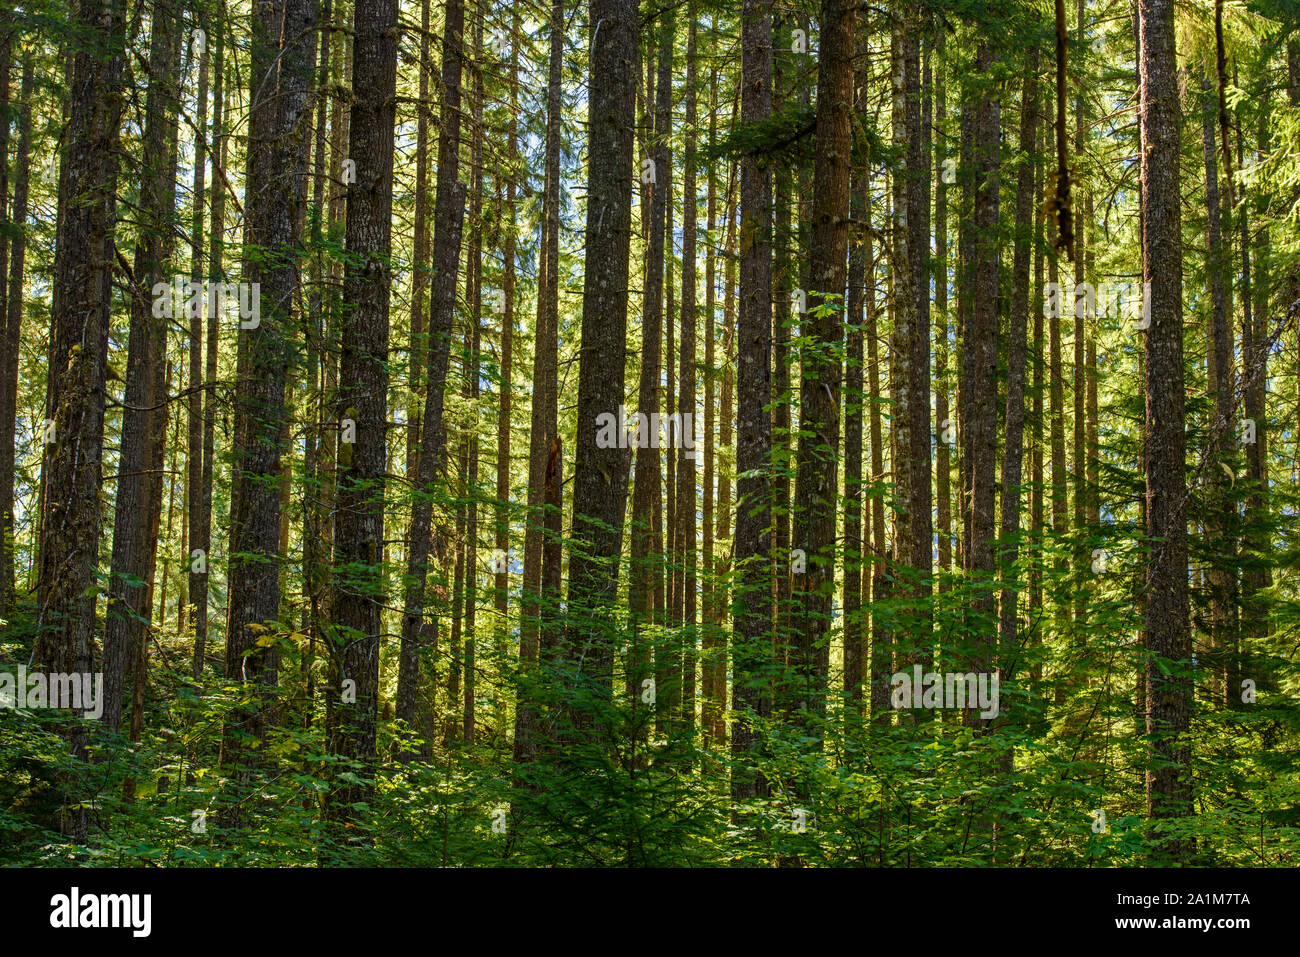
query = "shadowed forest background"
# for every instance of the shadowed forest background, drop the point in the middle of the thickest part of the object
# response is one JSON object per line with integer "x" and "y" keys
{"x": 470, "y": 433}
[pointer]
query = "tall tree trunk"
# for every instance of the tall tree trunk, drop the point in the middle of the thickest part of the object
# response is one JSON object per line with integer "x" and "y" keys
{"x": 1256, "y": 576}
{"x": 909, "y": 350}
{"x": 474, "y": 256}
{"x": 942, "y": 449}
{"x": 965, "y": 302}
{"x": 505, "y": 388}
{"x": 646, "y": 567}
{"x": 1221, "y": 509}
{"x": 145, "y": 410}
{"x": 600, "y": 474}
{"x": 882, "y": 653}
{"x": 1013, "y": 456}
{"x": 6, "y": 68}
{"x": 687, "y": 402}
{"x": 670, "y": 683}
{"x": 1082, "y": 310}
{"x": 918, "y": 82}
{"x": 448, "y": 217}
{"x": 420, "y": 256}
{"x": 314, "y": 558}
{"x": 197, "y": 564}
{"x": 12, "y": 338}
{"x": 1056, "y": 412}
{"x": 752, "y": 644}
{"x": 284, "y": 42}
{"x": 853, "y": 402}
{"x": 714, "y": 666}
{"x": 723, "y": 527}
{"x": 358, "y": 593}
{"x": 201, "y": 532}
{"x": 79, "y": 318}
{"x": 1168, "y": 781}
{"x": 981, "y": 364}
{"x": 1036, "y": 518}
{"x": 817, "y": 476}
{"x": 544, "y": 446}
{"x": 787, "y": 279}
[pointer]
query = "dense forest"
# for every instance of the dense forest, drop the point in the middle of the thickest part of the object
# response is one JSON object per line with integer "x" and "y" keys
{"x": 761, "y": 433}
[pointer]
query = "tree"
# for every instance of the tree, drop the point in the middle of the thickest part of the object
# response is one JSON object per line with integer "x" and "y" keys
{"x": 12, "y": 339}
{"x": 284, "y": 45}
{"x": 541, "y": 536}
{"x": 816, "y": 481}
{"x": 79, "y": 314}
{"x": 1168, "y": 784}
{"x": 600, "y": 474}
{"x": 980, "y": 352}
{"x": 359, "y": 595}
{"x": 751, "y": 609}
{"x": 1013, "y": 458}
{"x": 145, "y": 404}
{"x": 646, "y": 570}
{"x": 448, "y": 217}
{"x": 685, "y": 563}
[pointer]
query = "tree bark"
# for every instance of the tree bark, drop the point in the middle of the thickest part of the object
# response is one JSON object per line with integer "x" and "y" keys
{"x": 1013, "y": 455}
{"x": 817, "y": 475}
{"x": 358, "y": 593}
{"x": 448, "y": 217}
{"x": 1168, "y": 782}
{"x": 600, "y": 474}
{"x": 12, "y": 338}
{"x": 539, "y": 544}
{"x": 145, "y": 407}
{"x": 79, "y": 317}
{"x": 646, "y": 567}
{"x": 981, "y": 362}
{"x": 687, "y": 402}
{"x": 752, "y": 643}
{"x": 284, "y": 42}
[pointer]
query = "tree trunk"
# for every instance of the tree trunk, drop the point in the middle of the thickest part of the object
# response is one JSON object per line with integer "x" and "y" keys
{"x": 600, "y": 474}
{"x": 786, "y": 276}
{"x": 543, "y": 435}
{"x": 853, "y": 401}
{"x": 980, "y": 345}
{"x": 752, "y": 644}
{"x": 284, "y": 39}
{"x": 358, "y": 596}
{"x": 1013, "y": 456}
{"x": 942, "y": 449}
{"x": 1221, "y": 509}
{"x": 79, "y": 318}
{"x": 505, "y": 387}
{"x": 448, "y": 216}
{"x": 1168, "y": 782}
{"x": 144, "y": 414}
{"x": 714, "y": 665}
{"x": 194, "y": 404}
{"x": 816, "y": 479}
{"x": 201, "y": 534}
{"x": 1256, "y": 576}
{"x": 687, "y": 402}
{"x": 646, "y": 567}
{"x": 881, "y": 637}
{"x": 12, "y": 338}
